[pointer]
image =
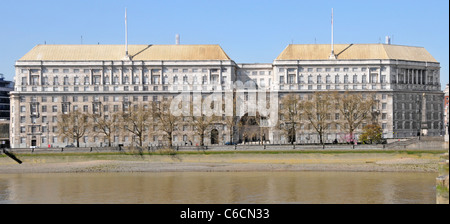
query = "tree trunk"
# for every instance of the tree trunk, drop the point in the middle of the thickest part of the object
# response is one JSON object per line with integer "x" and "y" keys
{"x": 140, "y": 140}
{"x": 170, "y": 139}
{"x": 201, "y": 139}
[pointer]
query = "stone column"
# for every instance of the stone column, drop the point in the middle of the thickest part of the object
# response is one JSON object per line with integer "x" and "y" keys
{"x": 91, "y": 73}
{"x": 29, "y": 76}
{"x": 111, "y": 75}
{"x": 397, "y": 81}
{"x": 121, "y": 75}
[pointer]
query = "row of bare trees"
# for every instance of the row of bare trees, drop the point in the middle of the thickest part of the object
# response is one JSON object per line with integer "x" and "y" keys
{"x": 139, "y": 120}
{"x": 323, "y": 109}
{"x": 318, "y": 111}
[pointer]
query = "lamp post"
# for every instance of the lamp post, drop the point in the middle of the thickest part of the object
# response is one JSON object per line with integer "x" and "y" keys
{"x": 48, "y": 135}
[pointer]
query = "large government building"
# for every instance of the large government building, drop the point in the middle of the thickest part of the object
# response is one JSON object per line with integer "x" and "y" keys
{"x": 55, "y": 79}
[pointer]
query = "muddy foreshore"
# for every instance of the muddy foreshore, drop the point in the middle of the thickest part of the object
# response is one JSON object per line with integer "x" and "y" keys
{"x": 223, "y": 162}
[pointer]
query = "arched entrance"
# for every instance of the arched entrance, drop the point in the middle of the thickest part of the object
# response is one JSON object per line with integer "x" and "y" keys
{"x": 214, "y": 136}
{"x": 250, "y": 129}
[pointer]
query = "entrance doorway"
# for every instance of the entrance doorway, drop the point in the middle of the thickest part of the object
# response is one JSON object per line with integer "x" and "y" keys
{"x": 33, "y": 143}
{"x": 214, "y": 136}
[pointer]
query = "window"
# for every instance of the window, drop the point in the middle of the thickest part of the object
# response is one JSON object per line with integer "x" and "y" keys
{"x": 374, "y": 78}
{"x": 364, "y": 79}
{"x": 300, "y": 79}
{"x": 97, "y": 80}
{"x": 291, "y": 79}
{"x": 310, "y": 79}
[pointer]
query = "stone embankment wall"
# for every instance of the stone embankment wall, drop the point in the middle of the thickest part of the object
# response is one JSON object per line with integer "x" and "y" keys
{"x": 442, "y": 182}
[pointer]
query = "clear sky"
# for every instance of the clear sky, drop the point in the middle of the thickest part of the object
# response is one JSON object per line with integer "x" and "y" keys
{"x": 250, "y": 31}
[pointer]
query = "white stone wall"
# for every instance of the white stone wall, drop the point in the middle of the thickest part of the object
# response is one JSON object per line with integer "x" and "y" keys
{"x": 397, "y": 84}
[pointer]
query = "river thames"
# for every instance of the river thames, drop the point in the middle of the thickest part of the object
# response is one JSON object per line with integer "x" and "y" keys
{"x": 305, "y": 187}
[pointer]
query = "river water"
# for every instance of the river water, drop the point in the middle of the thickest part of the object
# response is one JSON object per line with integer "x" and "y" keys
{"x": 219, "y": 188}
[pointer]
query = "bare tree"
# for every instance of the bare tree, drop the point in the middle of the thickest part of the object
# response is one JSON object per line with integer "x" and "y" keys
{"x": 317, "y": 112}
{"x": 73, "y": 125}
{"x": 137, "y": 121}
{"x": 106, "y": 124}
{"x": 290, "y": 116}
{"x": 230, "y": 121}
{"x": 166, "y": 120}
{"x": 201, "y": 125}
{"x": 355, "y": 108}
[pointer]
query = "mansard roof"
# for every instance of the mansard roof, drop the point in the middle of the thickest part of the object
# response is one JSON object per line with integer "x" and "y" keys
{"x": 355, "y": 52}
{"x": 117, "y": 53}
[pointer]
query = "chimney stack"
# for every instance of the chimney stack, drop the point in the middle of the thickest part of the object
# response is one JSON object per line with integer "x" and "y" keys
{"x": 388, "y": 40}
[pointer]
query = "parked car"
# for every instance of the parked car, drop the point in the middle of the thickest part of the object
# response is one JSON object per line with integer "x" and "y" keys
{"x": 69, "y": 146}
{"x": 230, "y": 143}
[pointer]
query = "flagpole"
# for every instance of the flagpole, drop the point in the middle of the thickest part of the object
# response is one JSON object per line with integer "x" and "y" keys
{"x": 332, "y": 55}
{"x": 126, "y": 34}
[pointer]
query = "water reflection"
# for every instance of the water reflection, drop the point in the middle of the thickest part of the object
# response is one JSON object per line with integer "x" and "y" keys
{"x": 218, "y": 187}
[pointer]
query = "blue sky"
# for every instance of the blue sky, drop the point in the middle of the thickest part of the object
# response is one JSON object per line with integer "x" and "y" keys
{"x": 250, "y": 31}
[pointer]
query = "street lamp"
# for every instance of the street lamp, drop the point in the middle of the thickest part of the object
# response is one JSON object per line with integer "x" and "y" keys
{"x": 48, "y": 135}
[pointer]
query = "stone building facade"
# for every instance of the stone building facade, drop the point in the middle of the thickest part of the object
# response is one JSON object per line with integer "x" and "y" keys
{"x": 55, "y": 79}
